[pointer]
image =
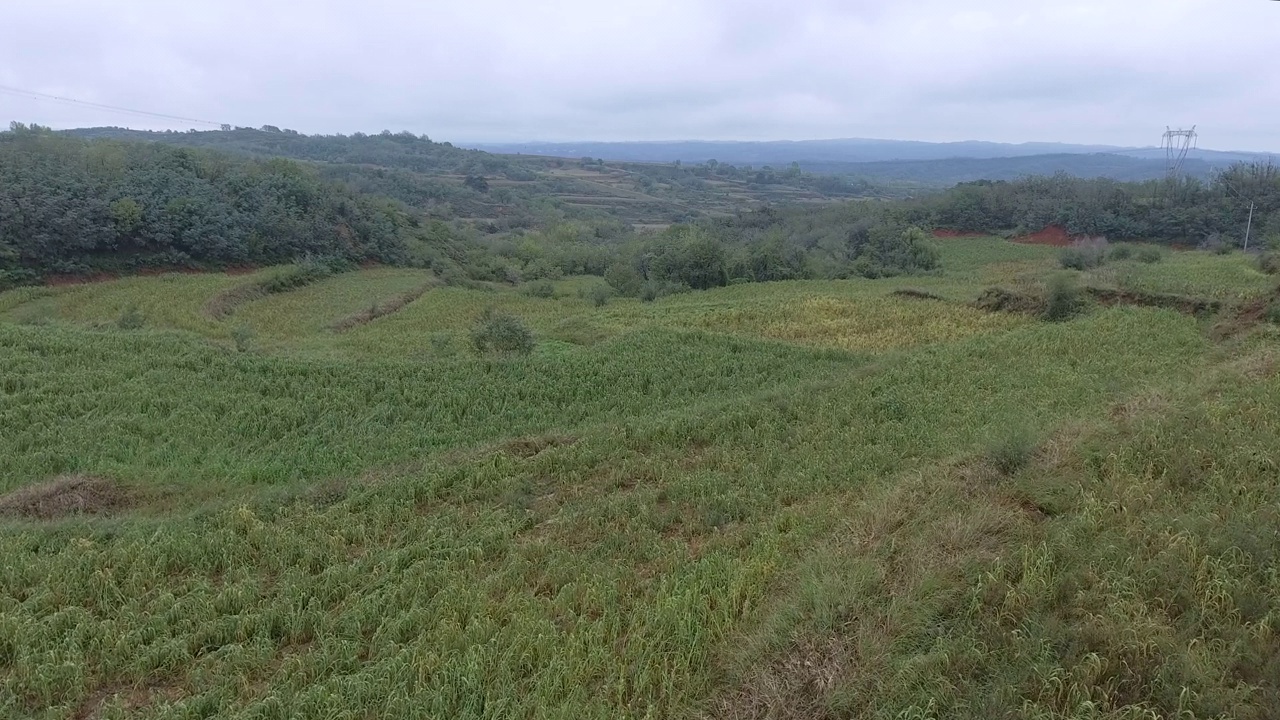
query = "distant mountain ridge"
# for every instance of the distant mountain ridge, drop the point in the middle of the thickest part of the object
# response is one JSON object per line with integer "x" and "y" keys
{"x": 847, "y": 150}
{"x": 902, "y": 161}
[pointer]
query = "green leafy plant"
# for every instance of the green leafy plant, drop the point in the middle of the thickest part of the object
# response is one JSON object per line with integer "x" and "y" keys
{"x": 501, "y": 333}
{"x": 1122, "y": 252}
{"x": 1012, "y": 450}
{"x": 131, "y": 319}
{"x": 1063, "y": 299}
{"x": 1084, "y": 255}
{"x": 598, "y": 294}
{"x": 442, "y": 344}
{"x": 242, "y": 336}
{"x": 1149, "y": 255}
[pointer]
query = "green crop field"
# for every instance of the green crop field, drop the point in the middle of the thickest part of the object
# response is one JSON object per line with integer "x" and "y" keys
{"x": 799, "y": 499}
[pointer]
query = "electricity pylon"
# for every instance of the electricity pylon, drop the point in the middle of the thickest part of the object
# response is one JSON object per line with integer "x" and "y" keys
{"x": 1176, "y": 144}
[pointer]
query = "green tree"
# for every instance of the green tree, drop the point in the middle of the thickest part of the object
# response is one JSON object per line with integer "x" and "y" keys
{"x": 624, "y": 279}
{"x": 126, "y": 213}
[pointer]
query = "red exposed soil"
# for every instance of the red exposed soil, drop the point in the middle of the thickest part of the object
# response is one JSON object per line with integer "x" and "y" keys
{"x": 63, "y": 280}
{"x": 1054, "y": 235}
{"x": 952, "y": 234}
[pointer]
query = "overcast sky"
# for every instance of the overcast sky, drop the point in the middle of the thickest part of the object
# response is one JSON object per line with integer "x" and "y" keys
{"x": 1094, "y": 71}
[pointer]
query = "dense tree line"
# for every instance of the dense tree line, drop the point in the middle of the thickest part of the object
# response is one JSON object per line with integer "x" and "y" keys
{"x": 696, "y": 176}
{"x": 72, "y": 206}
{"x": 386, "y": 149}
{"x": 838, "y": 241}
{"x": 1189, "y": 212}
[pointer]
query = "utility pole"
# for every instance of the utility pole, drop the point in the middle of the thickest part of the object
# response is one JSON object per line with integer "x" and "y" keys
{"x": 1249, "y": 227}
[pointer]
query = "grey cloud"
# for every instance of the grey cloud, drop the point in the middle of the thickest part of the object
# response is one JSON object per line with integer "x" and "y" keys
{"x": 1076, "y": 70}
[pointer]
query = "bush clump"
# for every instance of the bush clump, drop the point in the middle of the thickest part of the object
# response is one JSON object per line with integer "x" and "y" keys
{"x": 598, "y": 294}
{"x": 1084, "y": 255}
{"x": 624, "y": 279}
{"x": 1063, "y": 299}
{"x": 1142, "y": 253}
{"x": 131, "y": 319}
{"x": 1149, "y": 255}
{"x": 1272, "y": 313}
{"x": 242, "y": 336}
{"x": 540, "y": 289}
{"x": 1012, "y": 451}
{"x": 1269, "y": 262}
{"x": 17, "y": 277}
{"x": 998, "y": 299}
{"x": 1122, "y": 252}
{"x": 501, "y": 333}
{"x": 296, "y": 276}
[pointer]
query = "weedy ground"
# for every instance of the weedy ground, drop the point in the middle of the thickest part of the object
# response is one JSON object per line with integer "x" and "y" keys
{"x": 785, "y": 500}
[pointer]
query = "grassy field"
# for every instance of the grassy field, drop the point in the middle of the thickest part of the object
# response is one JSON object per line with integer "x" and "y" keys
{"x": 815, "y": 499}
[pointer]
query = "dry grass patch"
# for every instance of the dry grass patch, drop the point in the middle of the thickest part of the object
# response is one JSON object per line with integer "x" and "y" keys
{"x": 1137, "y": 407}
{"x": 795, "y": 685}
{"x": 67, "y": 496}
{"x": 907, "y": 548}
{"x": 1258, "y": 365}
{"x": 222, "y": 305}
{"x": 125, "y": 698}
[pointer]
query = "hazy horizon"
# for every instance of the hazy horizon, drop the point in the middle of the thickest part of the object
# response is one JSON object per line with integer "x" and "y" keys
{"x": 495, "y": 71}
{"x": 469, "y": 143}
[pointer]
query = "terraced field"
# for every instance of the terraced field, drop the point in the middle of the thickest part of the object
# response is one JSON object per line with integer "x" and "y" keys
{"x": 813, "y": 499}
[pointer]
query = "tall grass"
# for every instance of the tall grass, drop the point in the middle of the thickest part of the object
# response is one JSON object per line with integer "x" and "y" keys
{"x": 596, "y": 578}
{"x": 796, "y": 499}
{"x": 167, "y": 408}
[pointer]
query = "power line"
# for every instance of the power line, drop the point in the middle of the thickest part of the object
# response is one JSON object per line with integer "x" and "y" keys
{"x": 32, "y": 94}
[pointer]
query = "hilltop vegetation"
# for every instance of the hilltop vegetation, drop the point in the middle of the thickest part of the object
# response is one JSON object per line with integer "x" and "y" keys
{"x": 71, "y": 206}
{"x": 498, "y": 193}
{"x": 68, "y": 206}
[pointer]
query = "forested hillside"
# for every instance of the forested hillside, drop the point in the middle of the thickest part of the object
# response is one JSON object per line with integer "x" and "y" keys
{"x": 386, "y": 149}
{"x": 1189, "y": 213}
{"x": 498, "y": 193}
{"x": 77, "y": 206}
{"x": 71, "y": 206}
